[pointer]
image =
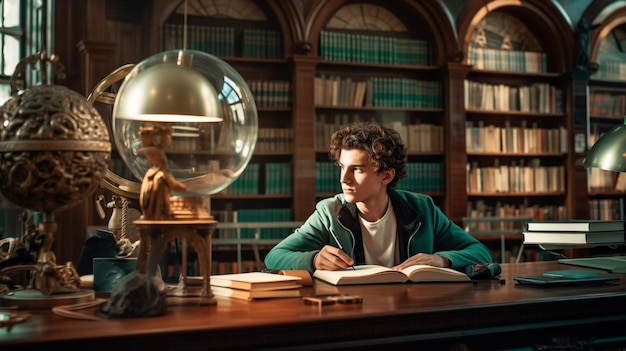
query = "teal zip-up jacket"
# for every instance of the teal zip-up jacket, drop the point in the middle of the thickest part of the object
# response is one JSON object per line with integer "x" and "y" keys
{"x": 422, "y": 227}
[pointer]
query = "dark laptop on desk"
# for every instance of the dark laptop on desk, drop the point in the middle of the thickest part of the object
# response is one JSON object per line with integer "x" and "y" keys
{"x": 613, "y": 264}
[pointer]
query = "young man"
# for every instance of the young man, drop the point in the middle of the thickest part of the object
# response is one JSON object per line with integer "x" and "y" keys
{"x": 371, "y": 222}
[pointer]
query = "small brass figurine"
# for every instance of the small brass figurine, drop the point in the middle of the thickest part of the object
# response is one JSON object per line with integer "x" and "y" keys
{"x": 158, "y": 182}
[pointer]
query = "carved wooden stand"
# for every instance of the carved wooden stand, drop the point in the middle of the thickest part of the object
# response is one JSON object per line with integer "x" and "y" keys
{"x": 157, "y": 234}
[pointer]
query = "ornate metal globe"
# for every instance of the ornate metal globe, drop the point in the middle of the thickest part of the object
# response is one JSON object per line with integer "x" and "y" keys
{"x": 54, "y": 148}
{"x": 205, "y": 103}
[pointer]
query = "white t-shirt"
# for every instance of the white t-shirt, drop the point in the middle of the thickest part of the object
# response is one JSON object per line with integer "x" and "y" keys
{"x": 379, "y": 239}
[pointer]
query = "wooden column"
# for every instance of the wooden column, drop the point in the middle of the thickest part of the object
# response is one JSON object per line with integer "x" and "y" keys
{"x": 578, "y": 201}
{"x": 456, "y": 155}
{"x": 95, "y": 62}
{"x": 304, "y": 136}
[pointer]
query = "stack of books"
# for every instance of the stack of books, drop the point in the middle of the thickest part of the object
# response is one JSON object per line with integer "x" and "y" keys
{"x": 255, "y": 285}
{"x": 575, "y": 232}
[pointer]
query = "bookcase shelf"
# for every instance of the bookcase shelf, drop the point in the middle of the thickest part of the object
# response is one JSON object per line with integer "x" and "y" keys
{"x": 255, "y": 46}
{"x": 517, "y": 129}
{"x": 606, "y": 106}
{"x": 398, "y": 84}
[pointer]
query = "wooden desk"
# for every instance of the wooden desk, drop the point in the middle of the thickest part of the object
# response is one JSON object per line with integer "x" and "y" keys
{"x": 481, "y": 316}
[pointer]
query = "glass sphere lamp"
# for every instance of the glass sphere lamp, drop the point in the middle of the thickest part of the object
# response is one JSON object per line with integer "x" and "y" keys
{"x": 184, "y": 122}
{"x": 208, "y": 110}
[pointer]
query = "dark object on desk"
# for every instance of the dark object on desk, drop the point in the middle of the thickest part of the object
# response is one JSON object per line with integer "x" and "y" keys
{"x": 21, "y": 257}
{"x": 613, "y": 264}
{"x": 137, "y": 295}
{"x": 322, "y": 300}
{"x": 101, "y": 244}
{"x": 483, "y": 271}
{"x": 568, "y": 277}
{"x": 107, "y": 271}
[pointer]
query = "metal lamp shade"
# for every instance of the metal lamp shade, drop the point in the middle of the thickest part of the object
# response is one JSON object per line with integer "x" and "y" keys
{"x": 609, "y": 152}
{"x": 169, "y": 93}
{"x": 209, "y": 108}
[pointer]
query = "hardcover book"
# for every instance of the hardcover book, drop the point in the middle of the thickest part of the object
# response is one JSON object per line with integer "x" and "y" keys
{"x": 612, "y": 237}
{"x": 254, "y": 294}
{"x": 373, "y": 274}
{"x": 576, "y": 226}
{"x": 255, "y": 281}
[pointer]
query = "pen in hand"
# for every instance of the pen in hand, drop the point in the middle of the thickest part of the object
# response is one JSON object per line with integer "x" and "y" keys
{"x": 339, "y": 244}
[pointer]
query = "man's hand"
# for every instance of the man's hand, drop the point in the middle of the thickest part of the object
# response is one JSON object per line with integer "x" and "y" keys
{"x": 422, "y": 258}
{"x": 332, "y": 258}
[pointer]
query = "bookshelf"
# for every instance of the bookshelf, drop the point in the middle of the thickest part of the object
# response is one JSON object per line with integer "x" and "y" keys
{"x": 606, "y": 106}
{"x": 375, "y": 66}
{"x": 517, "y": 132}
{"x": 252, "y": 42}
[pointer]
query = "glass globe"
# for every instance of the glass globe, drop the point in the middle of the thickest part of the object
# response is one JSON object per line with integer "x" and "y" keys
{"x": 207, "y": 106}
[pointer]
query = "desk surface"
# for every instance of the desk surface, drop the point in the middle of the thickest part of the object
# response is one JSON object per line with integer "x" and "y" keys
{"x": 404, "y": 314}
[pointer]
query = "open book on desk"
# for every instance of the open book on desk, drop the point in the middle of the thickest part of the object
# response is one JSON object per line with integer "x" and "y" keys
{"x": 373, "y": 274}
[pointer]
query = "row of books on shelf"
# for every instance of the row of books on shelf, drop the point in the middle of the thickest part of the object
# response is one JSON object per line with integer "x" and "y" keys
{"x": 398, "y": 92}
{"x": 277, "y": 179}
{"x": 522, "y": 139}
{"x": 507, "y": 218}
{"x": 507, "y": 60}
{"x": 221, "y": 41}
{"x": 491, "y": 227}
{"x": 271, "y": 93}
{"x": 420, "y": 137}
{"x": 327, "y": 178}
{"x": 595, "y": 132}
{"x": 535, "y": 97}
{"x": 506, "y": 224}
{"x": 599, "y": 180}
{"x": 274, "y": 140}
{"x": 611, "y": 66}
{"x": 606, "y": 209}
{"x": 423, "y": 177}
{"x": 333, "y": 90}
{"x": 513, "y": 178}
{"x": 327, "y": 124}
{"x": 262, "y": 43}
{"x": 607, "y": 105}
{"x": 406, "y": 93}
{"x": 253, "y": 215}
{"x": 538, "y": 212}
{"x": 575, "y": 232}
{"x": 213, "y": 137}
{"x": 364, "y": 48}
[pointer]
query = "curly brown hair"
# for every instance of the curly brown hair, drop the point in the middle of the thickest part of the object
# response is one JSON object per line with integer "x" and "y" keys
{"x": 384, "y": 147}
